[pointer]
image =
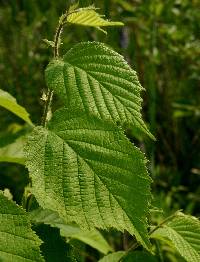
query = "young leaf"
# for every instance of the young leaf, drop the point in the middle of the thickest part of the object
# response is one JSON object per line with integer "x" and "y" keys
{"x": 73, "y": 7}
{"x": 89, "y": 17}
{"x": 86, "y": 170}
{"x": 184, "y": 233}
{"x": 92, "y": 238}
{"x": 9, "y": 102}
{"x": 97, "y": 79}
{"x": 17, "y": 242}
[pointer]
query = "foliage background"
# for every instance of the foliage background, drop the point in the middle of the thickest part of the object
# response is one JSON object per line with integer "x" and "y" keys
{"x": 160, "y": 40}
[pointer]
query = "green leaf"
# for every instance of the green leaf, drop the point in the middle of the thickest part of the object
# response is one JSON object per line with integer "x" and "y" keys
{"x": 53, "y": 248}
{"x": 136, "y": 256}
{"x": 113, "y": 257}
{"x": 13, "y": 152}
{"x": 17, "y": 240}
{"x": 9, "y": 102}
{"x": 184, "y": 233}
{"x": 139, "y": 256}
{"x": 98, "y": 80}
{"x": 92, "y": 238}
{"x": 89, "y": 17}
{"x": 86, "y": 170}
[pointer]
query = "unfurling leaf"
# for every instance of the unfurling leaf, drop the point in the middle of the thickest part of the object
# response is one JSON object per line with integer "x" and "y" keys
{"x": 89, "y": 17}
{"x": 86, "y": 170}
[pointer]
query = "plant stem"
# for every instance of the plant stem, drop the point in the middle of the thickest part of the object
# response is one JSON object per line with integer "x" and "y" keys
{"x": 47, "y": 107}
{"x": 135, "y": 245}
{"x": 164, "y": 222}
{"x": 57, "y": 40}
{"x": 58, "y": 35}
{"x": 125, "y": 240}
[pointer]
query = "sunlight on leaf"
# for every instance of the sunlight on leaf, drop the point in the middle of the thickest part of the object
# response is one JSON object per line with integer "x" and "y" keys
{"x": 86, "y": 170}
{"x": 89, "y": 17}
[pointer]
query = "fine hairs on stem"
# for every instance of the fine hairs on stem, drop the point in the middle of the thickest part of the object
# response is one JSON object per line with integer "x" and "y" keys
{"x": 57, "y": 41}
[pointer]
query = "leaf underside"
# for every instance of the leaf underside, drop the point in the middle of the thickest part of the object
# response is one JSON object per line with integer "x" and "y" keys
{"x": 17, "y": 240}
{"x": 86, "y": 170}
{"x": 184, "y": 233}
{"x": 98, "y": 80}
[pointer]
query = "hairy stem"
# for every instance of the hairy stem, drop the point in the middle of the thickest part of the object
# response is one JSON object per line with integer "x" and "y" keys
{"x": 57, "y": 38}
{"x": 57, "y": 41}
{"x": 164, "y": 222}
{"x": 136, "y": 244}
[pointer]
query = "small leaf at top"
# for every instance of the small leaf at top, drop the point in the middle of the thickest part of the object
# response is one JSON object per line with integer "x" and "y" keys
{"x": 17, "y": 240}
{"x": 98, "y": 80}
{"x": 86, "y": 170}
{"x": 9, "y": 102}
{"x": 89, "y": 17}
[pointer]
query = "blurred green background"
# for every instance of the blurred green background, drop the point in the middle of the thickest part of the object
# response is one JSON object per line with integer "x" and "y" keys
{"x": 160, "y": 40}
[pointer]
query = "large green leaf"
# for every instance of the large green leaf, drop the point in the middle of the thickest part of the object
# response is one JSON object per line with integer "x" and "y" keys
{"x": 17, "y": 240}
{"x": 92, "y": 238}
{"x": 86, "y": 170}
{"x": 9, "y": 102}
{"x": 89, "y": 17}
{"x": 93, "y": 77}
{"x": 184, "y": 233}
